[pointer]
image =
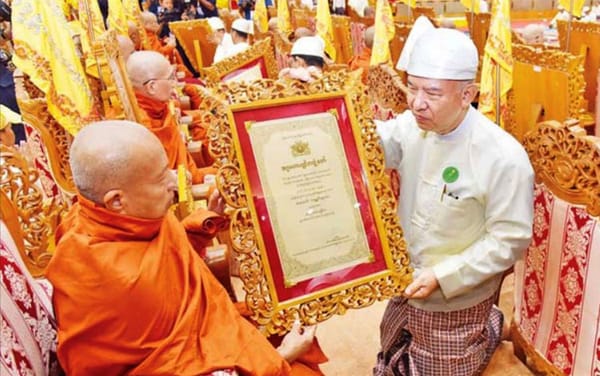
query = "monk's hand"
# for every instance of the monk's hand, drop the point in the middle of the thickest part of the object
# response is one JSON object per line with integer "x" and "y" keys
{"x": 216, "y": 203}
{"x": 297, "y": 341}
{"x": 423, "y": 285}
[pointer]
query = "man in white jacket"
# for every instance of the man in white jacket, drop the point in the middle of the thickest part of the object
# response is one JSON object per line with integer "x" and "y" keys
{"x": 466, "y": 209}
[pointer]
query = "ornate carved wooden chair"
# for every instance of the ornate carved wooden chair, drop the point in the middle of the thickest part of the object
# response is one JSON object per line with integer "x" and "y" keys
{"x": 479, "y": 29}
{"x": 342, "y": 38}
{"x": 194, "y": 38}
{"x": 397, "y": 44}
{"x": 584, "y": 40}
{"x": 27, "y": 224}
{"x": 547, "y": 84}
{"x": 387, "y": 92}
{"x": 556, "y": 325}
{"x": 256, "y": 62}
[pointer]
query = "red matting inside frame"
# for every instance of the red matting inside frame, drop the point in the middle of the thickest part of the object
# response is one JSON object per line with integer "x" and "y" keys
{"x": 359, "y": 179}
{"x": 260, "y": 62}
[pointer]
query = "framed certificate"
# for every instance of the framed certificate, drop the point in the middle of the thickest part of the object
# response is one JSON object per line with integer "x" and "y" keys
{"x": 257, "y": 62}
{"x": 314, "y": 223}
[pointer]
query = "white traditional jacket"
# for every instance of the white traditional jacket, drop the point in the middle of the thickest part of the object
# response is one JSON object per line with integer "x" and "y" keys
{"x": 466, "y": 204}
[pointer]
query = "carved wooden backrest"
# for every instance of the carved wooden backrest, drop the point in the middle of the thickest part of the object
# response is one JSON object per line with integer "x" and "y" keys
{"x": 118, "y": 98}
{"x": 479, "y": 29}
{"x": 283, "y": 47}
{"x": 397, "y": 44}
{"x": 556, "y": 326}
{"x": 585, "y": 38}
{"x": 55, "y": 138}
{"x": 259, "y": 53}
{"x": 386, "y": 90}
{"x": 302, "y": 17}
{"x": 21, "y": 200}
{"x": 190, "y": 33}
{"x": 547, "y": 84}
{"x": 426, "y": 11}
{"x": 342, "y": 39}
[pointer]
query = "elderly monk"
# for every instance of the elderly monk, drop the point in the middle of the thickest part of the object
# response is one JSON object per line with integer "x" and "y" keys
{"x": 167, "y": 47}
{"x": 364, "y": 59}
{"x": 131, "y": 295}
{"x": 153, "y": 81}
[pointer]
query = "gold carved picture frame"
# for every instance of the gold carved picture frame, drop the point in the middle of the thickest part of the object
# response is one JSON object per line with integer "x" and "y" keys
{"x": 260, "y": 54}
{"x": 249, "y": 124}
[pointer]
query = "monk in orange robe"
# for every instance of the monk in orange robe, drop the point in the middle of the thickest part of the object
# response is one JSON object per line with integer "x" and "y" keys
{"x": 151, "y": 28}
{"x": 364, "y": 59}
{"x": 131, "y": 295}
{"x": 152, "y": 78}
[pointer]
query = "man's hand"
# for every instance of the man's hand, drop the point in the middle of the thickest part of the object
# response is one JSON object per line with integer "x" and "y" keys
{"x": 297, "y": 341}
{"x": 216, "y": 203}
{"x": 422, "y": 286}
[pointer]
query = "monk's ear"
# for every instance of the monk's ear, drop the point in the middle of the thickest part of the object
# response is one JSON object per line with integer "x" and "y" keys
{"x": 113, "y": 200}
{"x": 469, "y": 93}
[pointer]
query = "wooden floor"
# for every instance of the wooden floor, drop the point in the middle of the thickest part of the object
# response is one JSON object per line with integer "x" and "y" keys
{"x": 351, "y": 341}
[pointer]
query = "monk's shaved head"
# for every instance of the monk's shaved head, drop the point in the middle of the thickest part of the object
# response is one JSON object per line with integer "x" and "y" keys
{"x": 108, "y": 154}
{"x": 369, "y": 36}
{"x": 126, "y": 47}
{"x": 146, "y": 65}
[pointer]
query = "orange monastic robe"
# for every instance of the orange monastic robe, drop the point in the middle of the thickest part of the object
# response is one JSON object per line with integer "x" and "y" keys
{"x": 164, "y": 126}
{"x": 167, "y": 51}
{"x": 132, "y": 297}
{"x": 361, "y": 61}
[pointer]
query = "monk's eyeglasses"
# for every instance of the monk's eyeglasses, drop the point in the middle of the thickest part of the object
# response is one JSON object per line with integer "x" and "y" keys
{"x": 172, "y": 77}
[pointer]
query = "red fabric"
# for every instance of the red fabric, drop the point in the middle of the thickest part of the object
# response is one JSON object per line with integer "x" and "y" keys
{"x": 164, "y": 126}
{"x": 133, "y": 297}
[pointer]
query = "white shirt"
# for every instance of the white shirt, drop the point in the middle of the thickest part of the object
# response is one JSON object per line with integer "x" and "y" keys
{"x": 237, "y": 48}
{"x": 470, "y": 230}
{"x": 223, "y": 48}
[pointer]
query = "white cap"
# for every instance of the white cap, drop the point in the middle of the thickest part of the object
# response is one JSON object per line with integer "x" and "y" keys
{"x": 243, "y": 25}
{"x": 421, "y": 25}
{"x": 311, "y": 46}
{"x": 216, "y": 23}
{"x": 444, "y": 54}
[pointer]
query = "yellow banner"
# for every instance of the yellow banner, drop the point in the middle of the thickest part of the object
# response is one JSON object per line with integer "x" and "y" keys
{"x": 497, "y": 67}
{"x": 576, "y": 5}
{"x": 472, "y": 5}
{"x": 384, "y": 33}
{"x": 116, "y": 17}
{"x": 325, "y": 28}
{"x": 283, "y": 17}
{"x": 410, "y": 3}
{"x": 90, "y": 19}
{"x": 261, "y": 19}
{"x": 44, "y": 50}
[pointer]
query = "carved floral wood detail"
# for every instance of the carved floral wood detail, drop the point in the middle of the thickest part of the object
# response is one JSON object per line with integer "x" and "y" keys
{"x": 567, "y": 161}
{"x": 386, "y": 89}
{"x": 38, "y": 219}
{"x": 243, "y": 233}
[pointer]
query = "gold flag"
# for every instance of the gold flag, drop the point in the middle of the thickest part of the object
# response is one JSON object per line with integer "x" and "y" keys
{"x": 325, "y": 27}
{"x": 283, "y": 17}
{"x": 45, "y": 52}
{"x": 92, "y": 25}
{"x": 577, "y": 6}
{"x": 497, "y": 67}
{"x": 472, "y": 5}
{"x": 261, "y": 19}
{"x": 116, "y": 17}
{"x": 384, "y": 33}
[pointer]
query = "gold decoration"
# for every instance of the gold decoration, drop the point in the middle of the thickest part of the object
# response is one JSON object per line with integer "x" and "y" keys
{"x": 300, "y": 148}
{"x": 267, "y": 313}
{"x": 195, "y": 31}
{"x": 22, "y": 199}
{"x": 548, "y": 60}
{"x": 56, "y": 139}
{"x": 261, "y": 49}
{"x": 386, "y": 89}
{"x": 567, "y": 161}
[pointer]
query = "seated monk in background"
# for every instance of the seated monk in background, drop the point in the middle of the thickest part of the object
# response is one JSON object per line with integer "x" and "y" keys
{"x": 153, "y": 81}
{"x": 364, "y": 59}
{"x": 167, "y": 47}
{"x": 131, "y": 294}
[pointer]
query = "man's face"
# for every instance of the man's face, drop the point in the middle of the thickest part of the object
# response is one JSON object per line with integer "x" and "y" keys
{"x": 167, "y": 4}
{"x": 217, "y": 36}
{"x": 154, "y": 187}
{"x": 438, "y": 105}
{"x": 161, "y": 87}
